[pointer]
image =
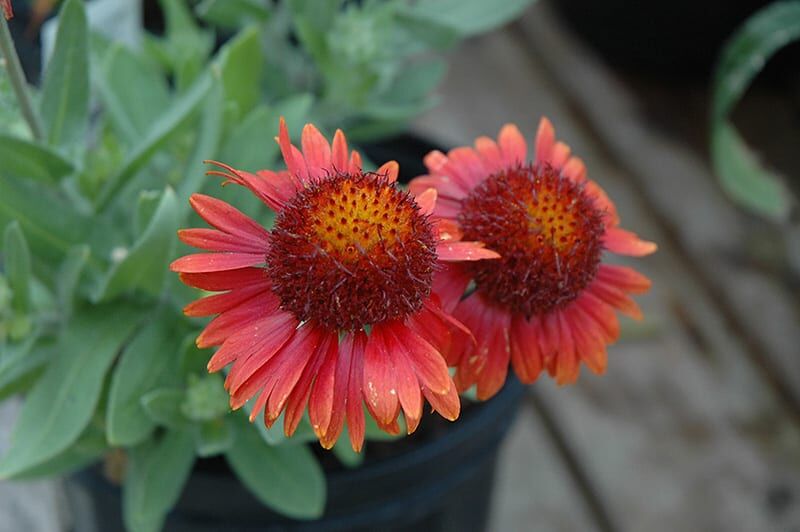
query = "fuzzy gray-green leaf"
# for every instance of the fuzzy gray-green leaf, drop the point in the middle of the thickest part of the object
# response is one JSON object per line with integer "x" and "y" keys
{"x": 65, "y": 92}
{"x": 63, "y": 400}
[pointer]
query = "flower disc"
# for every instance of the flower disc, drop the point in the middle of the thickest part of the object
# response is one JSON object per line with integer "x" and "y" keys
{"x": 547, "y": 231}
{"x": 351, "y": 250}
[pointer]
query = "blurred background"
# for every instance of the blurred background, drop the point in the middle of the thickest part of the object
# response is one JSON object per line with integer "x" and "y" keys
{"x": 696, "y": 425}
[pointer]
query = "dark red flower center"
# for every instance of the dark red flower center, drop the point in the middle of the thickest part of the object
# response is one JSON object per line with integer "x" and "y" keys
{"x": 548, "y": 233}
{"x": 351, "y": 250}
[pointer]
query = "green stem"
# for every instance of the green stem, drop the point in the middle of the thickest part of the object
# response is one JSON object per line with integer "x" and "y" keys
{"x": 18, "y": 82}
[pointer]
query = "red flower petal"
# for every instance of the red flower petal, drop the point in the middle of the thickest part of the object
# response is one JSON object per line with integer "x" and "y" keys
{"x": 433, "y": 330}
{"x": 213, "y": 240}
{"x": 226, "y": 280}
{"x": 575, "y": 170}
{"x": 316, "y": 150}
{"x": 603, "y": 202}
{"x": 624, "y": 242}
{"x": 449, "y": 284}
{"x": 355, "y": 344}
{"x": 299, "y": 397}
{"x": 490, "y": 152}
{"x": 434, "y": 161}
{"x": 339, "y": 152}
{"x": 228, "y": 219}
{"x": 380, "y": 388}
{"x": 428, "y": 363}
{"x": 217, "y": 303}
{"x": 389, "y": 170}
{"x": 461, "y": 251}
{"x": 291, "y": 155}
{"x": 464, "y": 167}
{"x": 601, "y": 315}
{"x": 526, "y": 358}
{"x": 237, "y": 318}
{"x": 263, "y": 338}
{"x": 355, "y": 163}
{"x": 513, "y": 145}
{"x": 589, "y": 343}
{"x": 427, "y": 201}
{"x": 408, "y": 387}
{"x": 495, "y": 348}
{"x": 566, "y": 367}
{"x": 8, "y": 12}
{"x": 272, "y": 188}
{"x": 624, "y": 278}
{"x": 289, "y": 364}
{"x": 215, "y": 262}
{"x": 448, "y": 229}
{"x": 321, "y": 402}
{"x": 545, "y": 141}
{"x": 443, "y": 184}
{"x": 616, "y": 298}
{"x": 560, "y": 155}
{"x": 447, "y": 405}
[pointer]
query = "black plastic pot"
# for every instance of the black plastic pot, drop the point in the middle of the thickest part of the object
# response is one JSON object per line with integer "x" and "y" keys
{"x": 440, "y": 485}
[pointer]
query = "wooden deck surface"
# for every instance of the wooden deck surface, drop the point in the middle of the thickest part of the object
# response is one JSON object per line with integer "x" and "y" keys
{"x": 696, "y": 426}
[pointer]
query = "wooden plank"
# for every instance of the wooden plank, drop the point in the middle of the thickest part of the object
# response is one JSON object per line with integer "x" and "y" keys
{"x": 532, "y": 486}
{"x": 682, "y": 433}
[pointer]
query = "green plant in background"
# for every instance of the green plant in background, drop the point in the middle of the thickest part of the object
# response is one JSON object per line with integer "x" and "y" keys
{"x": 742, "y": 176}
{"x": 370, "y": 65}
{"x": 97, "y": 167}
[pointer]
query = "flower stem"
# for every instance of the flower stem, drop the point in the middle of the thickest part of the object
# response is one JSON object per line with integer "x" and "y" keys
{"x": 18, "y": 82}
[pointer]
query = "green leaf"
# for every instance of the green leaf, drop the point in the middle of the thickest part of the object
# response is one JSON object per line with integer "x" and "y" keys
{"x": 295, "y": 109}
{"x": 743, "y": 57}
{"x": 232, "y": 14}
{"x": 425, "y": 32}
{"x": 88, "y": 448}
{"x": 25, "y": 159}
{"x": 206, "y": 144}
{"x": 61, "y": 403}
{"x": 746, "y": 53}
{"x": 159, "y": 132}
{"x": 17, "y": 265}
{"x": 213, "y": 437}
{"x": 206, "y": 398}
{"x": 148, "y": 362}
{"x": 247, "y": 147}
{"x": 409, "y": 94}
{"x": 145, "y": 209}
{"x": 157, "y": 472}
{"x": 288, "y": 479}
{"x": 65, "y": 92}
{"x": 21, "y": 362}
{"x": 186, "y": 46}
{"x": 68, "y": 276}
{"x": 145, "y": 266}
{"x": 163, "y": 406}
{"x": 49, "y": 236}
{"x": 135, "y": 94}
{"x": 193, "y": 360}
{"x": 345, "y": 453}
{"x": 241, "y": 65}
{"x": 312, "y": 19}
{"x": 744, "y": 178}
{"x": 468, "y": 17}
